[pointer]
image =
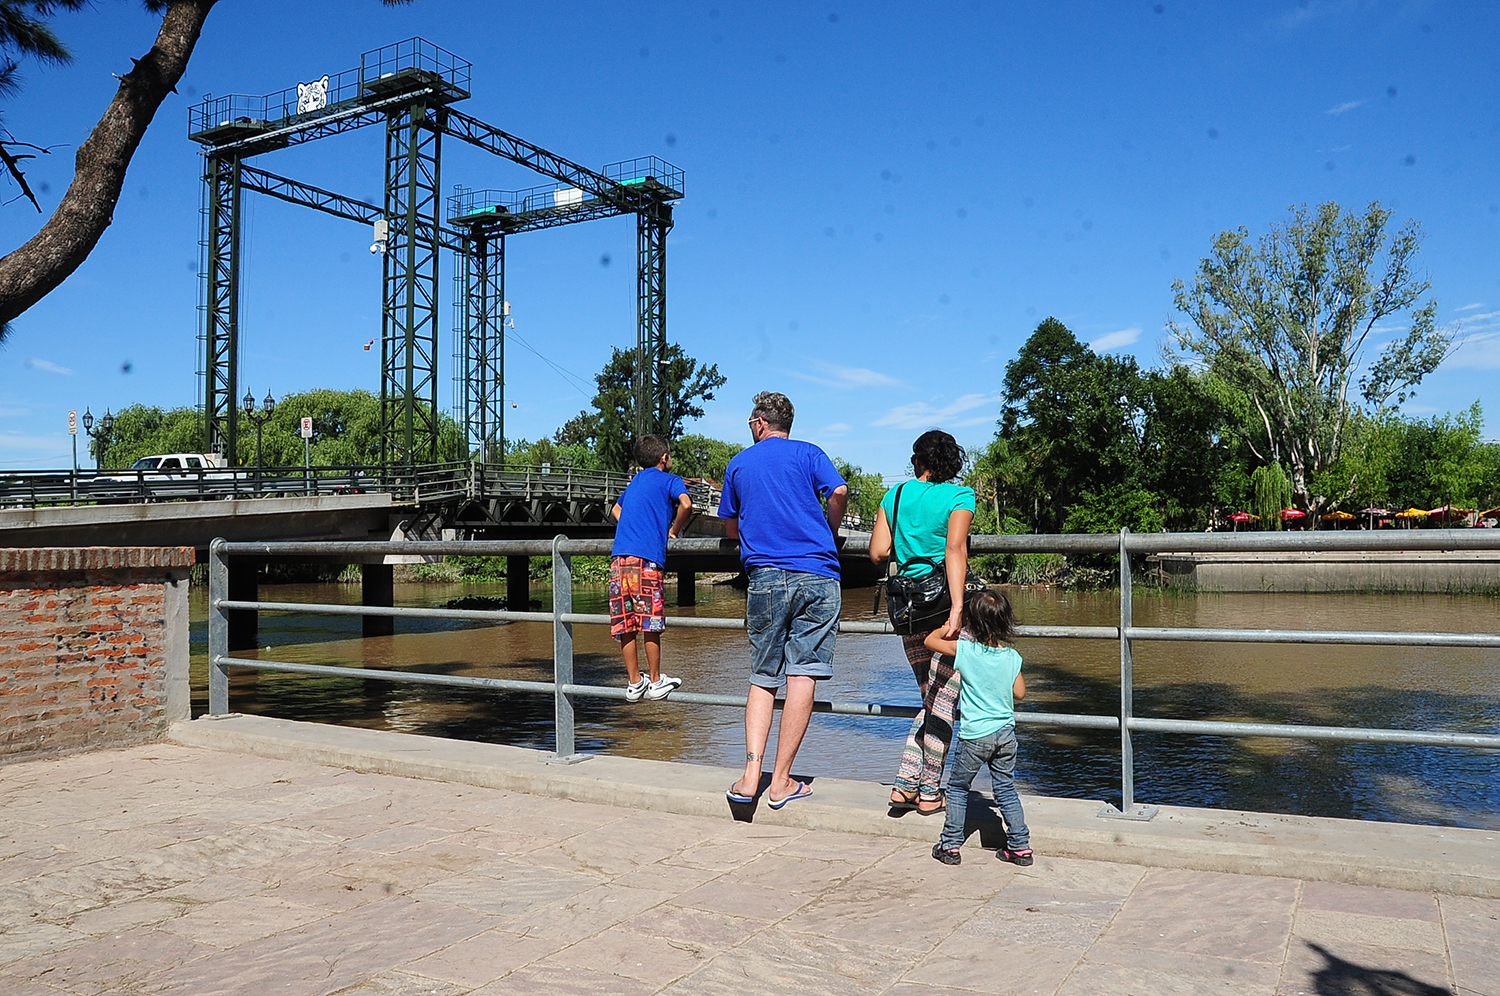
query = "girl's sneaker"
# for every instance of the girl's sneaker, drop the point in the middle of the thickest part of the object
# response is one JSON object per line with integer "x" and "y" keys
{"x": 947, "y": 857}
{"x": 662, "y": 687}
{"x": 634, "y": 692}
{"x": 1021, "y": 857}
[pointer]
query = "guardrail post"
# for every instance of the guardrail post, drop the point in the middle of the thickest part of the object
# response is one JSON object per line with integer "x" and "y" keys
{"x": 562, "y": 653}
{"x": 218, "y": 629}
{"x": 1128, "y": 809}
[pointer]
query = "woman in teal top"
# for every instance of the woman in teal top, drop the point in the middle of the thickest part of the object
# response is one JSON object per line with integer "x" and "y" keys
{"x": 932, "y": 521}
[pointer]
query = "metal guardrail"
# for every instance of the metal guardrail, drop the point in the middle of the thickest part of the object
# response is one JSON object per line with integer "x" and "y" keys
{"x": 32, "y": 488}
{"x": 562, "y": 617}
{"x": 423, "y": 484}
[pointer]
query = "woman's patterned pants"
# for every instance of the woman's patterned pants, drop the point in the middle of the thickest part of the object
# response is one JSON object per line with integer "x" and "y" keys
{"x": 926, "y": 748}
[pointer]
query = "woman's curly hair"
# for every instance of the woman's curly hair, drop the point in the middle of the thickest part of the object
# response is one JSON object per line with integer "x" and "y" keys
{"x": 938, "y": 452}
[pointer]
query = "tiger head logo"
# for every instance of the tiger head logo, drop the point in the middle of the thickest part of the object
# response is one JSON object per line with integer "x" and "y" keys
{"x": 312, "y": 96}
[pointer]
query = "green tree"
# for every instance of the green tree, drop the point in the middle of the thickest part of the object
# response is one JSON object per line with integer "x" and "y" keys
{"x": 1285, "y": 322}
{"x": 1187, "y": 444}
{"x": 610, "y": 427}
{"x": 1075, "y": 419}
{"x": 33, "y": 270}
{"x": 346, "y": 431}
{"x": 865, "y": 492}
{"x": 1441, "y": 460}
{"x": 1117, "y": 507}
{"x": 1272, "y": 491}
{"x": 144, "y": 430}
{"x": 717, "y": 452}
{"x": 995, "y": 475}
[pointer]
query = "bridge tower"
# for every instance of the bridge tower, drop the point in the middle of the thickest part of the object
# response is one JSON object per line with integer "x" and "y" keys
{"x": 653, "y": 414}
{"x": 409, "y": 88}
{"x": 409, "y": 313}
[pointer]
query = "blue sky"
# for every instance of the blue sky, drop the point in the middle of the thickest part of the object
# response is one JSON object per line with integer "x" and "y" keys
{"x": 883, "y": 200}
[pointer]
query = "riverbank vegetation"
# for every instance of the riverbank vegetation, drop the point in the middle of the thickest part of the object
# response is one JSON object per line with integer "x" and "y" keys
{"x": 1282, "y": 391}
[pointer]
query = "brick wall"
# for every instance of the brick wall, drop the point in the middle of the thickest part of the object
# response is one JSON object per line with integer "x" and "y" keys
{"x": 93, "y": 646}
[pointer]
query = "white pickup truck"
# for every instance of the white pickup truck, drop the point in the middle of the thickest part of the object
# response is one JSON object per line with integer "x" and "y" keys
{"x": 166, "y": 473}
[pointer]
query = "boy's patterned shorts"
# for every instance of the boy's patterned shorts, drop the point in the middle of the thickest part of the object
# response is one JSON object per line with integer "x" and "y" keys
{"x": 635, "y": 597}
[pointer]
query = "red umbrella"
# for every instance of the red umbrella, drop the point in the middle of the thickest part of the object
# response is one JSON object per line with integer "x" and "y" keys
{"x": 1292, "y": 513}
{"x": 1243, "y": 517}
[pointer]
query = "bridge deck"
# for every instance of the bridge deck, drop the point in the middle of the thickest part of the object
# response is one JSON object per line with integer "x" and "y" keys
{"x": 197, "y": 523}
{"x": 174, "y": 868}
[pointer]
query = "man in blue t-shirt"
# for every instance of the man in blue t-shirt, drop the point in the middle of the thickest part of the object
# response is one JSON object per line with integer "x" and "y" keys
{"x": 651, "y": 511}
{"x": 773, "y": 504}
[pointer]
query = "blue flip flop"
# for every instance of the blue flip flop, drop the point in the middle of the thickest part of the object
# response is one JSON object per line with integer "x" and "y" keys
{"x": 734, "y": 796}
{"x": 803, "y": 791}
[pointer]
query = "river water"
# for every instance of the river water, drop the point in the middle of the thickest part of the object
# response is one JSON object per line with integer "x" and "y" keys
{"x": 1433, "y": 688}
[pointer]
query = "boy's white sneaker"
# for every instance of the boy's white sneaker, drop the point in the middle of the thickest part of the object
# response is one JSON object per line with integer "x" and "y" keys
{"x": 634, "y": 692}
{"x": 662, "y": 687}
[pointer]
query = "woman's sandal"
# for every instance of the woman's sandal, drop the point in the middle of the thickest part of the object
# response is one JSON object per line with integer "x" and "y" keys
{"x": 903, "y": 801}
{"x": 927, "y": 807}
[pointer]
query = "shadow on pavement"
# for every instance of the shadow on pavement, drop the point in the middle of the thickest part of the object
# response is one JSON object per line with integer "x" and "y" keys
{"x": 1338, "y": 977}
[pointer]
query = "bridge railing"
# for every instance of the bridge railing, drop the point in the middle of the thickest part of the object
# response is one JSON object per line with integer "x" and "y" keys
{"x": 425, "y": 483}
{"x": 564, "y": 690}
{"x": 32, "y": 488}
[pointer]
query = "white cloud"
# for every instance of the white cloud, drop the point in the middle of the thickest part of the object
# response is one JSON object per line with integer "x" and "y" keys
{"x": 921, "y": 415}
{"x": 1345, "y": 107}
{"x": 1115, "y": 340}
{"x": 37, "y": 363}
{"x": 836, "y": 429}
{"x": 831, "y": 375}
{"x": 1480, "y": 351}
{"x": 1471, "y": 307}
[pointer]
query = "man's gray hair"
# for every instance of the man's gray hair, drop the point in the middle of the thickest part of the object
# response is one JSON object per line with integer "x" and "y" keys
{"x": 776, "y": 409}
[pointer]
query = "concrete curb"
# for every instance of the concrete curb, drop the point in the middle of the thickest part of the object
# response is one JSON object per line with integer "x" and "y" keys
{"x": 1388, "y": 855}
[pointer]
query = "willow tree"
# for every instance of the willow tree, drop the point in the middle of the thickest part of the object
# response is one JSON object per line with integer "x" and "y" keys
{"x": 1287, "y": 322}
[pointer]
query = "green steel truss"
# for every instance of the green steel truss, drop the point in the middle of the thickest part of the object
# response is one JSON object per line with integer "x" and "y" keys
{"x": 481, "y": 345}
{"x": 653, "y": 405}
{"x": 221, "y": 306}
{"x": 409, "y": 318}
{"x": 408, "y": 86}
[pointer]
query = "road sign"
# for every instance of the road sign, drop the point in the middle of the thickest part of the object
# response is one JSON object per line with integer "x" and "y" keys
{"x": 306, "y": 427}
{"x": 73, "y": 423}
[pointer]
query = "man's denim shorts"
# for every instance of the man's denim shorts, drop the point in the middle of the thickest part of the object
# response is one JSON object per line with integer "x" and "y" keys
{"x": 792, "y": 618}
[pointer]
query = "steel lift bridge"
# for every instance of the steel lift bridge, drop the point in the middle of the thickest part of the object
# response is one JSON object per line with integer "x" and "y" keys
{"x": 410, "y": 88}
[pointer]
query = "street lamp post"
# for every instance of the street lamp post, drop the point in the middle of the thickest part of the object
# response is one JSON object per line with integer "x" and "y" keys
{"x": 100, "y": 438}
{"x": 855, "y": 519}
{"x": 700, "y": 455}
{"x": 260, "y": 421}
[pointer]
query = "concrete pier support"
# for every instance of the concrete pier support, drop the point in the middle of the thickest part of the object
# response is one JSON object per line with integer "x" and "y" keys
{"x": 378, "y": 587}
{"x": 244, "y": 586}
{"x": 687, "y": 588}
{"x": 518, "y": 583}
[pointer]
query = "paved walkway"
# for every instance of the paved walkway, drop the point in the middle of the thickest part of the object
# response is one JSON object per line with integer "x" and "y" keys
{"x": 172, "y": 869}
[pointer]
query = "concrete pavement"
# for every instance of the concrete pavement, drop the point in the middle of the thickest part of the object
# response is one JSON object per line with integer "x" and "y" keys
{"x": 1355, "y": 852}
{"x": 170, "y": 869}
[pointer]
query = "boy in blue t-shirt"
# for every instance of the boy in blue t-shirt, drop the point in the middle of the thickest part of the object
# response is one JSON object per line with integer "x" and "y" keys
{"x": 652, "y": 510}
{"x": 990, "y": 684}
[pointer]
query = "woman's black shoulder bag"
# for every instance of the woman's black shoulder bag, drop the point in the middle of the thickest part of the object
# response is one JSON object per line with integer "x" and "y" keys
{"x": 920, "y": 604}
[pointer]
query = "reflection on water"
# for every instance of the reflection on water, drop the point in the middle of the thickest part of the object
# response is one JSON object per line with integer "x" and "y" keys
{"x": 1435, "y": 688}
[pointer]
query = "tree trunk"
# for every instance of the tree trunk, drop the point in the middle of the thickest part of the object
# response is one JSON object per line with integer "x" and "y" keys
{"x": 35, "y": 269}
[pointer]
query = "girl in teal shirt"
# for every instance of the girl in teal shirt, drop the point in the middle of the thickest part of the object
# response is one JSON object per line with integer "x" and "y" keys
{"x": 990, "y": 685}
